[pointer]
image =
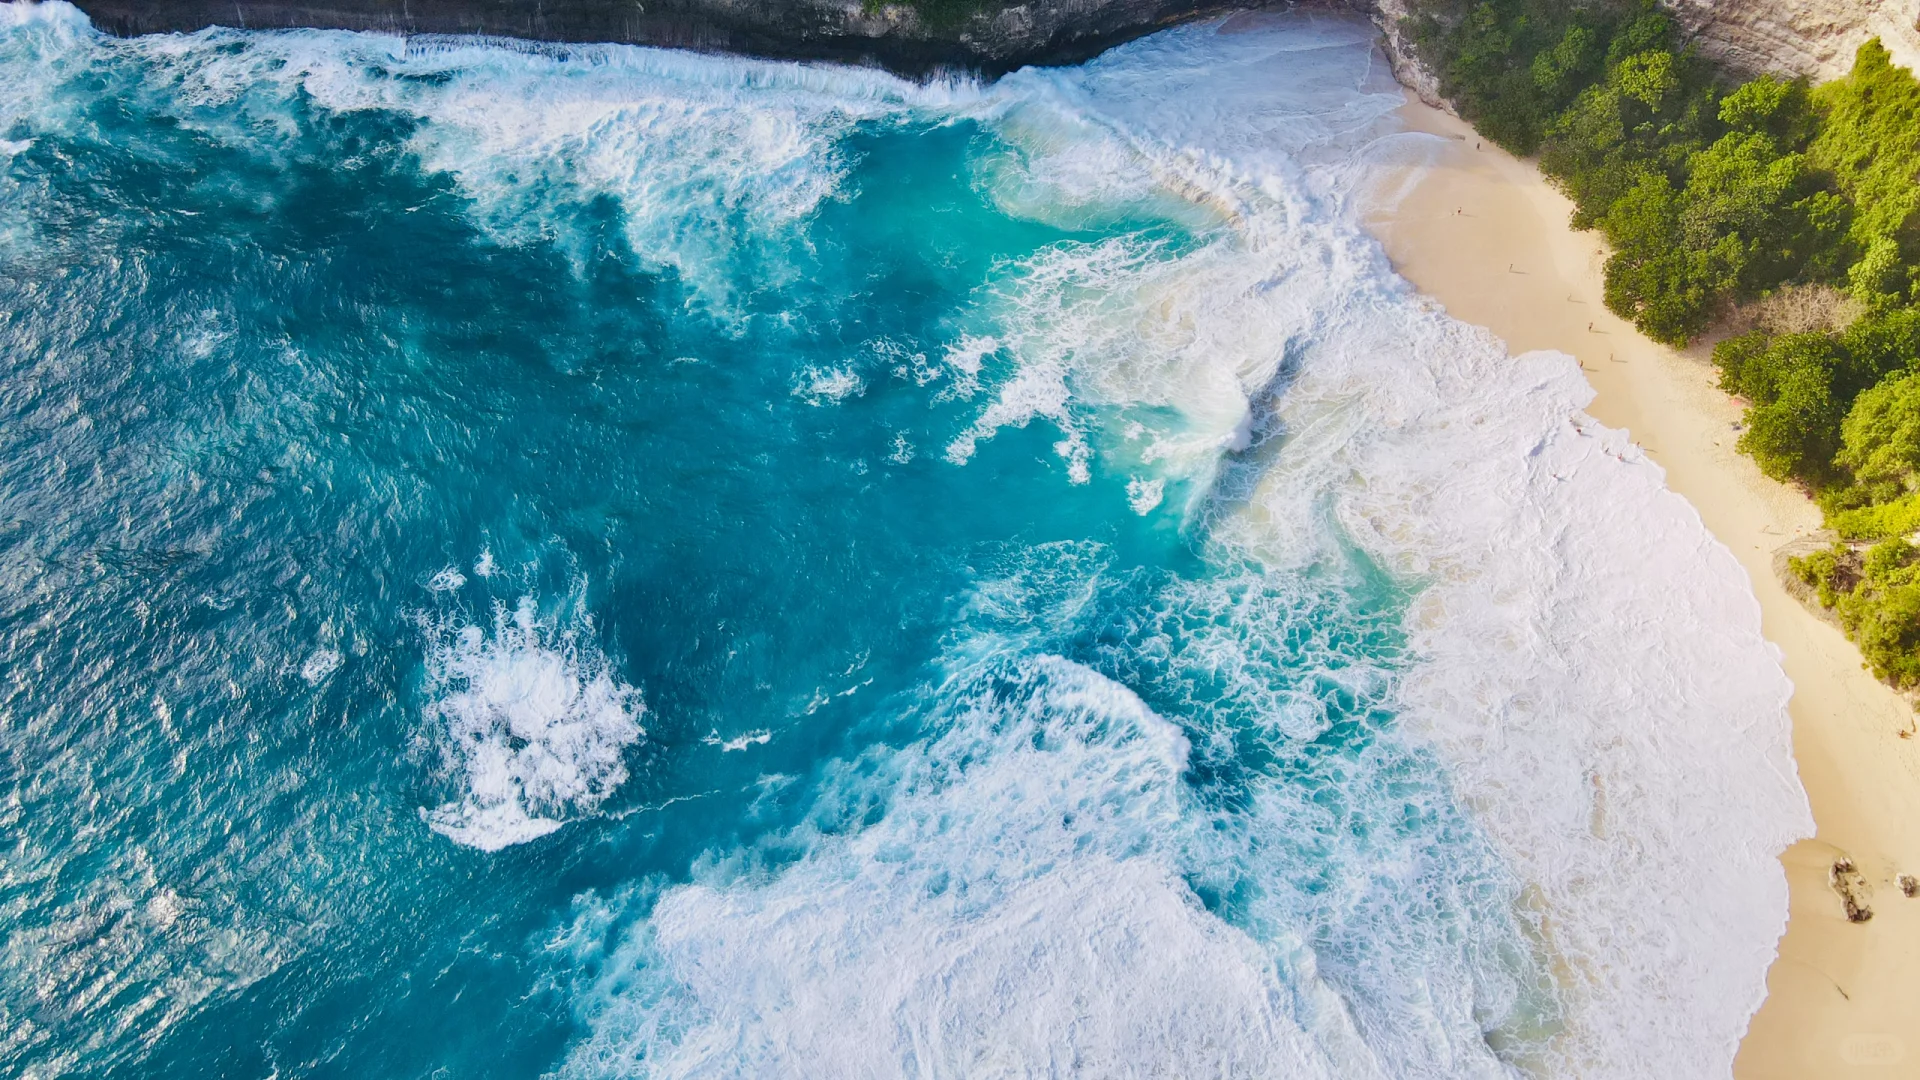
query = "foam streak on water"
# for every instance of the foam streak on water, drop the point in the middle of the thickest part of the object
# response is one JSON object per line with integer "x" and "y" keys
{"x": 1092, "y": 618}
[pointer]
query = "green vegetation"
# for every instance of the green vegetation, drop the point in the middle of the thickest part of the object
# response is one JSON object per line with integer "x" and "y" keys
{"x": 1869, "y": 141}
{"x": 1710, "y": 195}
{"x": 1786, "y": 207}
{"x": 1877, "y": 598}
{"x": 938, "y": 14}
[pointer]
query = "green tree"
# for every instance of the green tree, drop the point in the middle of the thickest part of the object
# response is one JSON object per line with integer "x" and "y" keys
{"x": 1648, "y": 78}
{"x": 1758, "y": 213}
{"x": 1880, "y": 438}
{"x": 1759, "y": 368}
{"x": 1795, "y": 401}
{"x": 1793, "y": 437}
{"x": 1587, "y": 154}
{"x": 1869, "y": 139}
{"x": 1558, "y": 71}
{"x": 1650, "y": 279}
{"x": 1881, "y": 343}
{"x": 1741, "y": 358}
{"x": 1886, "y": 626}
{"x": 1881, "y": 275}
{"x": 1645, "y": 28}
{"x": 1882, "y": 611}
{"x": 1510, "y": 66}
{"x": 1778, "y": 107}
{"x": 1749, "y": 219}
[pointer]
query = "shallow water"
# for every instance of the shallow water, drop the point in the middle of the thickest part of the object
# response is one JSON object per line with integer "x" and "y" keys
{"x": 596, "y": 561}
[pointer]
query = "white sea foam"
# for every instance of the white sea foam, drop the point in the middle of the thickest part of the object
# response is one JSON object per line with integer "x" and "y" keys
{"x": 528, "y": 721}
{"x": 828, "y": 385}
{"x": 739, "y": 742}
{"x": 902, "y": 449}
{"x": 1144, "y": 495}
{"x": 965, "y": 359}
{"x": 1006, "y": 917}
{"x": 710, "y": 159}
{"x": 1589, "y": 659}
{"x": 322, "y": 663}
{"x": 1586, "y": 661}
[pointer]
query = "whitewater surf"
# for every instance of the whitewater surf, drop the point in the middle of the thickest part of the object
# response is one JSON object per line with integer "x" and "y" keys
{"x": 595, "y": 561}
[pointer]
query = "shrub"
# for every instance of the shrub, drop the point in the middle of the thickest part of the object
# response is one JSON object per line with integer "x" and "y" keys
{"x": 1877, "y": 599}
{"x": 1882, "y": 611}
{"x": 1879, "y": 521}
{"x": 1886, "y": 626}
{"x": 1832, "y": 573}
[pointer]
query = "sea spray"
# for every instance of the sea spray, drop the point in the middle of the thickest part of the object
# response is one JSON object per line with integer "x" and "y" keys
{"x": 527, "y": 720}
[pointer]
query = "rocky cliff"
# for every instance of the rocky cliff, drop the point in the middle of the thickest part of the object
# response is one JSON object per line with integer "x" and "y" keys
{"x": 1810, "y": 37}
{"x": 913, "y": 37}
{"x": 1816, "y": 38}
{"x": 1801, "y": 37}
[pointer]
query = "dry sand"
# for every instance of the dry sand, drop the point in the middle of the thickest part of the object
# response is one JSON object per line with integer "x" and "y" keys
{"x": 1484, "y": 234}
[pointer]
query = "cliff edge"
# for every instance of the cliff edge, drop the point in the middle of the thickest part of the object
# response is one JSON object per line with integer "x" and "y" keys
{"x": 912, "y": 38}
{"x": 915, "y": 37}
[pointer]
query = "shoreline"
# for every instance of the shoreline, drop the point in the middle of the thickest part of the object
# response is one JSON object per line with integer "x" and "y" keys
{"x": 1483, "y": 233}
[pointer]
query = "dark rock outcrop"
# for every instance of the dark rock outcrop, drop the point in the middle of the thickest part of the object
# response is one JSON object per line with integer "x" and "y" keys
{"x": 990, "y": 36}
{"x": 915, "y": 37}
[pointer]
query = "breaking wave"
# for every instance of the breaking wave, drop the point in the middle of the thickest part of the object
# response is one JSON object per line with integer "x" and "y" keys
{"x": 528, "y": 720}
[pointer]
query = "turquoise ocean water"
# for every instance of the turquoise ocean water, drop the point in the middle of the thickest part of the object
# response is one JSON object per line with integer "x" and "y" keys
{"x": 596, "y": 562}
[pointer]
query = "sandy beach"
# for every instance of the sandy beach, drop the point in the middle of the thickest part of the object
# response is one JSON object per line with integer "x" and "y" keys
{"x": 1484, "y": 234}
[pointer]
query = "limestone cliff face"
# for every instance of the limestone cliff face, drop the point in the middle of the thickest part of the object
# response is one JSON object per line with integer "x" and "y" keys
{"x": 1388, "y": 15}
{"x": 1801, "y": 37}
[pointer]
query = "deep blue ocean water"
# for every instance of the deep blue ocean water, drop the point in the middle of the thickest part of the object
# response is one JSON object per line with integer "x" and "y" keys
{"x": 480, "y": 608}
